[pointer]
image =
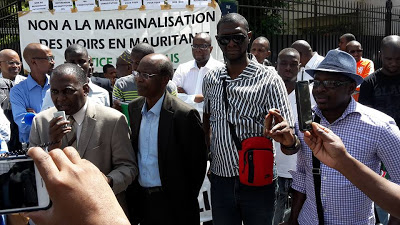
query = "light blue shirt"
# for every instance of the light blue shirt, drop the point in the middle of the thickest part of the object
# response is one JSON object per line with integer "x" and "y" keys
{"x": 27, "y": 94}
{"x": 149, "y": 173}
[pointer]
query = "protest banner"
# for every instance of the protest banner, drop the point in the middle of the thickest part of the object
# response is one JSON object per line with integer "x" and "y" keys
{"x": 106, "y": 34}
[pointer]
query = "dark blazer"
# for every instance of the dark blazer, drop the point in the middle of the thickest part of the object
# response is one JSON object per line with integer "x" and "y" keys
{"x": 181, "y": 156}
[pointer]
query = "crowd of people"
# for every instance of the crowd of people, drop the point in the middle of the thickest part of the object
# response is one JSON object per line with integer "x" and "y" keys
{"x": 137, "y": 141}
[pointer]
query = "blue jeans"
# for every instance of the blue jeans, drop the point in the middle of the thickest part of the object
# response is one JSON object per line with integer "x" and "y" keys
{"x": 234, "y": 203}
{"x": 284, "y": 185}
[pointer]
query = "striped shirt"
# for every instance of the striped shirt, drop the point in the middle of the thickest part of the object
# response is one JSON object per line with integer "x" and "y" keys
{"x": 256, "y": 90}
{"x": 125, "y": 89}
{"x": 370, "y": 136}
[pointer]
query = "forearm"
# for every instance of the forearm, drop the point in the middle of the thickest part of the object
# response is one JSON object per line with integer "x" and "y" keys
{"x": 297, "y": 203}
{"x": 383, "y": 192}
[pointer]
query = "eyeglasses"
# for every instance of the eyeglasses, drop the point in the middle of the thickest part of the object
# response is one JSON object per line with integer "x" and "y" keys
{"x": 145, "y": 76}
{"x": 225, "y": 39}
{"x": 354, "y": 51}
{"x": 48, "y": 58}
{"x": 201, "y": 47}
{"x": 329, "y": 83}
{"x": 12, "y": 63}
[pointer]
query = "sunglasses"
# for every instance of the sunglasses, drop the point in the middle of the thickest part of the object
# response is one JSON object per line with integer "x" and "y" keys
{"x": 201, "y": 47}
{"x": 354, "y": 51}
{"x": 236, "y": 38}
{"x": 328, "y": 83}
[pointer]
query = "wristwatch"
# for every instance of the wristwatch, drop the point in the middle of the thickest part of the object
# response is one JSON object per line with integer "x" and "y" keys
{"x": 295, "y": 146}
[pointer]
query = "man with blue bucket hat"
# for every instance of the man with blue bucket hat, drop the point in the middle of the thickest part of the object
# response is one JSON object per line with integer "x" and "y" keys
{"x": 370, "y": 136}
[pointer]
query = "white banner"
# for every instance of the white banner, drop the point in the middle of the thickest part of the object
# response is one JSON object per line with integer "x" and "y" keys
{"x": 107, "y": 34}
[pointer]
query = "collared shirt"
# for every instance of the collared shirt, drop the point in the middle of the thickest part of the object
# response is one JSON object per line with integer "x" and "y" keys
{"x": 256, "y": 90}
{"x": 79, "y": 117}
{"x": 365, "y": 67}
{"x": 312, "y": 64}
{"x": 5, "y": 131}
{"x": 190, "y": 77}
{"x": 149, "y": 173}
{"x": 97, "y": 95}
{"x": 369, "y": 136}
{"x": 27, "y": 94}
{"x": 17, "y": 79}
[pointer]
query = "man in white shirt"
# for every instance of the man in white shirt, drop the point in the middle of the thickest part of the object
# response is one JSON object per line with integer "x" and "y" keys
{"x": 288, "y": 66}
{"x": 308, "y": 59}
{"x": 188, "y": 76}
{"x": 5, "y": 131}
{"x": 78, "y": 54}
{"x": 10, "y": 66}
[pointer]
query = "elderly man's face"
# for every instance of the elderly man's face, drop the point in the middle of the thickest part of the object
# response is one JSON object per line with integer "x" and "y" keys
{"x": 155, "y": 84}
{"x": 67, "y": 93}
{"x": 10, "y": 65}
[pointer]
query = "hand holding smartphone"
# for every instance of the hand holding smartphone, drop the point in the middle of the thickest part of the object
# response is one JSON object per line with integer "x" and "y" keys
{"x": 303, "y": 103}
{"x": 60, "y": 113}
{"x": 23, "y": 187}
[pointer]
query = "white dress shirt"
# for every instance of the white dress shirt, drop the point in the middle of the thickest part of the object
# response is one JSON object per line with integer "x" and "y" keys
{"x": 79, "y": 117}
{"x": 312, "y": 64}
{"x": 190, "y": 78}
{"x": 96, "y": 95}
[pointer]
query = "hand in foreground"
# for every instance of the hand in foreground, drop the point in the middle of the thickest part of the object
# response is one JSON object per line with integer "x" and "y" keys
{"x": 281, "y": 131}
{"x": 58, "y": 128}
{"x": 117, "y": 105}
{"x": 77, "y": 188}
{"x": 326, "y": 146}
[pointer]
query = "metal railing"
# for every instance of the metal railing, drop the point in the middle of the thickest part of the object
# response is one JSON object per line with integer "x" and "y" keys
{"x": 321, "y": 23}
{"x": 9, "y": 30}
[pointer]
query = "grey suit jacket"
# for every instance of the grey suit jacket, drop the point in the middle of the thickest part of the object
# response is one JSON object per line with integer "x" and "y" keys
{"x": 104, "y": 141}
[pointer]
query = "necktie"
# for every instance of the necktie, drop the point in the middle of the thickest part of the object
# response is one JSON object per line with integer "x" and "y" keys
{"x": 71, "y": 136}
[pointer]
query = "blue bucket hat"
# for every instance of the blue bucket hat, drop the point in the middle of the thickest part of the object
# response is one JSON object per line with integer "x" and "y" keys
{"x": 337, "y": 61}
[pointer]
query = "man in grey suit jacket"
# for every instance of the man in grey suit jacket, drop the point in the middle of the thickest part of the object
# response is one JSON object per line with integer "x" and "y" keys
{"x": 169, "y": 142}
{"x": 100, "y": 133}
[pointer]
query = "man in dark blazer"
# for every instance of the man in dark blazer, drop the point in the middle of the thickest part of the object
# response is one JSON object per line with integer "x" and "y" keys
{"x": 168, "y": 139}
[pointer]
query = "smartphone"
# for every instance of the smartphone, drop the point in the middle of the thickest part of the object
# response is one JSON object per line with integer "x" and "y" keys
{"x": 303, "y": 103}
{"x": 22, "y": 187}
{"x": 60, "y": 113}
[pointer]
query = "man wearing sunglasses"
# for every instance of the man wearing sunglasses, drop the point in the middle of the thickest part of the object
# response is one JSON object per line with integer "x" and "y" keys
{"x": 369, "y": 135}
{"x": 252, "y": 89}
{"x": 27, "y": 96}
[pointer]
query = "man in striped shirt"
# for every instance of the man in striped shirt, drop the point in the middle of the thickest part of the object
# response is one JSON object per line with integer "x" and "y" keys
{"x": 252, "y": 90}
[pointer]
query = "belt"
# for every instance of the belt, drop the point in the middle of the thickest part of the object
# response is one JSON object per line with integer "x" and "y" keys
{"x": 152, "y": 190}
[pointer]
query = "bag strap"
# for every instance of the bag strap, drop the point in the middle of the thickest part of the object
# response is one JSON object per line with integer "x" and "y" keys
{"x": 316, "y": 171}
{"x": 231, "y": 126}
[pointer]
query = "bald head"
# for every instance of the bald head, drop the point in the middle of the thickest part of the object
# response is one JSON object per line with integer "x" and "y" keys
{"x": 354, "y": 48}
{"x": 390, "y": 55}
{"x": 162, "y": 64}
{"x": 34, "y": 50}
{"x": 40, "y": 60}
{"x": 305, "y": 50}
{"x": 203, "y": 36}
{"x": 10, "y": 63}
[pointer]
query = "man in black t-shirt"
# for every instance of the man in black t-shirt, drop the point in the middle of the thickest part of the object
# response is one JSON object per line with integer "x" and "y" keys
{"x": 381, "y": 90}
